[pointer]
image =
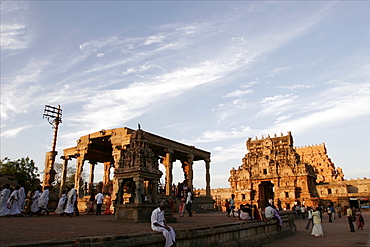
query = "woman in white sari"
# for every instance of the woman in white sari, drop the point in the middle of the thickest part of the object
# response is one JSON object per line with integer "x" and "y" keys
{"x": 4, "y": 196}
{"x": 13, "y": 202}
{"x": 61, "y": 204}
{"x": 317, "y": 228}
{"x": 71, "y": 198}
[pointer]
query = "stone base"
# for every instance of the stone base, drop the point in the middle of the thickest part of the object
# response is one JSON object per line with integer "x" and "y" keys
{"x": 139, "y": 213}
{"x": 134, "y": 212}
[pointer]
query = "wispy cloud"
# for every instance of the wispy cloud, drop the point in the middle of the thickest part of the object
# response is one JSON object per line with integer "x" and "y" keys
{"x": 15, "y": 34}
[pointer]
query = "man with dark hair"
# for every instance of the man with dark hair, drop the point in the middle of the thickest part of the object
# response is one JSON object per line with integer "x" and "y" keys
{"x": 158, "y": 224}
{"x": 350, "y": 215}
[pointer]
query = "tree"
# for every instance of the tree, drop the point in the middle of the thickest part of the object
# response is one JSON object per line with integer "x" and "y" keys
{"x": 23, "y": 170}
{"x": 70, "y": 179}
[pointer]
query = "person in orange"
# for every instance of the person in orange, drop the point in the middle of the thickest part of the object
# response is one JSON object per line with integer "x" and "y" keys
{"x": 109, "y": 203}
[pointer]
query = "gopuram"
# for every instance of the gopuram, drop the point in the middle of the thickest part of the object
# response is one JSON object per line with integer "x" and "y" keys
{"x": 275, "y": 171}
{"x": 135, "y": 156}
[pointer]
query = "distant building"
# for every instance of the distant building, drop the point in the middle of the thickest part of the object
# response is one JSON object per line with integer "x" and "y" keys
{"x": 275, "y": 171}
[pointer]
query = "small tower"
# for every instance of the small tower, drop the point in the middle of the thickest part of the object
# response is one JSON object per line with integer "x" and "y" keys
{"x": 137, "y": 175}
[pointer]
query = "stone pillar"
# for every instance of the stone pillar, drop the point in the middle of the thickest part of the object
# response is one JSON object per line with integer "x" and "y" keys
{"x": 138, "y": 189}
{"x": 79, "y": 169}
{"x": 64, "y": 175}
{"x": 154, "y": 191}
{"x": 190, "y": 175}
{"x": 91, "y": 178}
{"x": 169, "y": 167}
{"x": 208, "y": 177}
{"x": 106, "y": 175}
{"x": 49, "y": 172}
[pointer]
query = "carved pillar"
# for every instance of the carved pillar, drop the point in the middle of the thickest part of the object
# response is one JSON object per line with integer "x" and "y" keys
{"x": 190, "y": 174}
{"x": 169, "y": 166}
{"x": 64, "y": 175}
{"x": 138, "y": 189}
{"x": 106, "y": 176}
{"x": 208, "y": 177}
{"x": 79, "y": 169}
{"x": 185, "y": 169}
{"x": 91, "y": 178}
{"x": 154, "y": 191}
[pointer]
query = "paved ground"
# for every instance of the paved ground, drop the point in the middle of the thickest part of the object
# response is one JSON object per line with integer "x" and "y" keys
{"x": 23, "y": 230}
{"x": 335, "y": 234}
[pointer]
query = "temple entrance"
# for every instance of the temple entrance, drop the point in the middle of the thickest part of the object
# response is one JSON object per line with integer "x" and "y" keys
{"x": 266, "y": 192}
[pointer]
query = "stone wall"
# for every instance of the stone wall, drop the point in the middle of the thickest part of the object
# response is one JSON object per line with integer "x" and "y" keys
{"x": 229, "y": 235}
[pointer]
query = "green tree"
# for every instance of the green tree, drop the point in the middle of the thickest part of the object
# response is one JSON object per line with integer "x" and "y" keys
{"x": 70, "y": 178}
{"x": 23, "y": 170}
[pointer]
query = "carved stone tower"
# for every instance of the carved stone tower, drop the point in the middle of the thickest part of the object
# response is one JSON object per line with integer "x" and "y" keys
{"x": 137, "y": 175}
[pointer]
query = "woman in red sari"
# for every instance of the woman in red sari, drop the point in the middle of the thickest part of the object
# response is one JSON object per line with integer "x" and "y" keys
{"x": 107, "y": 208}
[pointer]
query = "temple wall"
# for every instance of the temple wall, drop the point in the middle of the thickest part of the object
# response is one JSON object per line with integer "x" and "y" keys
{"x": 230, "y": 235}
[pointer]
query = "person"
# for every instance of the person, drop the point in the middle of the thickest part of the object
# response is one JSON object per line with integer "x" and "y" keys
{"x": 244, "y": 213}
{"x": 309, "y": 217}
{"x": 4, "y": 196}
{"x": 71, "y": 198}
{"x": 232, "y": 204}
{"x": 108, "y": 204}
{"x": 256, "y": 213}
{"x": 43, "y": 201}
{"x": 227, "y": 207}
{"x": 35, "y": 203}
{"x": 182, "y": 207}
{"x": 350, "y": 216}
{"x": 277, "y": 216}
{"x": 90, "y": 209}
{"x": 317, "y": 228}
{"x": 339, "y": 211}
{"x": 189, "y": 202}
{"x": 158, "y": 224}
{"x": 22, "y": 198}
{"x": 61, "y": 204}
{"x": 269, "y": 212}
{"x": 99, "y": 203}
{"x": 303, "y": 212}
{"x": 13, "y": 202}
{"x": 360, "y": 222}
{"x": 328, "y": 210}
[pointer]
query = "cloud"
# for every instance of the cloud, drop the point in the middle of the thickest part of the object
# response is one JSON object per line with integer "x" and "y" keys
{"x": 276, "y": 105}
{"x": 238, "y": 93}
{"x": 154, "y": 39}
{"x": 15, "y": 35}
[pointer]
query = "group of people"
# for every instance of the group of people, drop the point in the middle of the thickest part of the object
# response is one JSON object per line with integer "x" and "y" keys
{"x": 252, "y": 212}
{"x": 315, "y": 216}
{"x": 13, "y": 202}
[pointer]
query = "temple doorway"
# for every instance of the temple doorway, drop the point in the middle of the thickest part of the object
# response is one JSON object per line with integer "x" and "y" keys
{"x": 266, "y": 192}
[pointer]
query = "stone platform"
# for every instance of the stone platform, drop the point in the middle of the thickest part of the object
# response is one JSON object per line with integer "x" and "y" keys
{"x": 92, "y": 230}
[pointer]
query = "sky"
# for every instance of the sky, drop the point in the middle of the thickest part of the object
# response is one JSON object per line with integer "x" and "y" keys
{"x": 205, "y": 73}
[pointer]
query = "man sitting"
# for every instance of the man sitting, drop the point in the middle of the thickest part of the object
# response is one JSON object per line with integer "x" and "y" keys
{"x": 245, "y": 212}
{"x": 159, "y": 225}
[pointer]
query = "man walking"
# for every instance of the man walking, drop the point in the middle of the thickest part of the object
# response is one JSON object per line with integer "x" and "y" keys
{"x": 350, "y": 214}
{"x": 99, "y": 203}
{"x": 189, "y": 202}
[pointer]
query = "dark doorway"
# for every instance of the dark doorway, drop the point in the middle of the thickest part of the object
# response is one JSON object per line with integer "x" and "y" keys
{"x": 266, "y": 192}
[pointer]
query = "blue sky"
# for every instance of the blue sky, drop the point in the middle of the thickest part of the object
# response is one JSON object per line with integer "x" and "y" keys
{"x": 208, "y": 74}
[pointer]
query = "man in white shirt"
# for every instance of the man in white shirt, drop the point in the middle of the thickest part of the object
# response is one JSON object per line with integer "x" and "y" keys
{"x": 269, "y": 212}
{"x": 99, "y": 202}
{"x": 159, "y": 225}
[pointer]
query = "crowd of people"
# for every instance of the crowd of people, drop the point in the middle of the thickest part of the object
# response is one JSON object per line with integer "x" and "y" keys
{"x": 315, "y": 216}
{"x": 14, "y": 202}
